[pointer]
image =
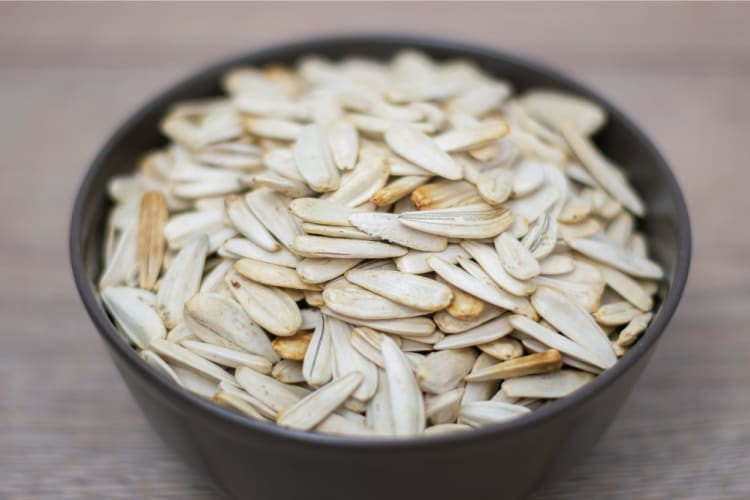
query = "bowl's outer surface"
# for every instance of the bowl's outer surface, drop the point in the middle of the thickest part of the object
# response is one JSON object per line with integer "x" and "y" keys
{"x": 251, "y": 459}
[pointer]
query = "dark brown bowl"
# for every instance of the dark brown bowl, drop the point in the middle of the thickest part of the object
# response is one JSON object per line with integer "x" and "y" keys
{"x": 251, "y": 459}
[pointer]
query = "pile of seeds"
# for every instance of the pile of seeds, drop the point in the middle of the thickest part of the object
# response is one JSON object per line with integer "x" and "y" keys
{"x": 378, "y": 249}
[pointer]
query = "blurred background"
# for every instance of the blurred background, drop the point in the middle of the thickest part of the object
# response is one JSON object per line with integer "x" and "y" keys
{"x": 70, "y": 73}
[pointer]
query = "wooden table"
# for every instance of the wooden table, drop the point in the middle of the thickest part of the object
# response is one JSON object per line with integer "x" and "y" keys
{"x": 71, "y": 73}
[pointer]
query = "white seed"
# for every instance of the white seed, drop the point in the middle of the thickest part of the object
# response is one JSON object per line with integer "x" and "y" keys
{"x": 356, "y": 188}
{"x": 271, "y": 308}
{"x": 186, "y": 359}
{"x": 443, "y": 408}
{"x": 553, "y": 108}
{"x": 573, "y": 321}
{"x": 288, "y": 372}
{"x": 471, "y": 137}
{"x": 341, "y": 248}
{"x": 272, "y": 210}
{"x": 421, "y": 150}
{"x": 479, "y": 288}
{"x": 495, "y": 185}
{"x": 516, "y": 259}
{"x": 415, "y": 262}
{"x": 271, "y": 274}
{"x": 379, "y": 412}
{"x": 221, "y": 321}
{"x": 322, "y": 270}
{"x": 479, "y": 413}
{"x": 407, "y": 405}
{"x": 556, "y": 264}
{"x": 137, "y": 320}
{"x": 273, "y": 128}
{"x": 410, "y": 327}
{"x": 312, "y": 409}
{"x": 157, "y": 363}
{"x": 442, "y": 371}
{"x": 344, "y": 143}
{"x": 451, "y": 324}
{"x": 606, "y": 174}
{"x": 317, "y": 367}
{"x": 630, "y": 333}
{"x": 473, "y": 222}
{"x": 181, "y": 281}
{"x": 228, "y": 357}
{"x": 347, "y": 360}
{"x": 348, "y": 299}
{"x": 547, "y": 385}
{"x": 336, "y": 231}
{"x": 236, "y": 248}
{"x": 554, "y": 340}
{"x": 487, "y": 332}
{"x": 268, "y": 390}
{"x": 403, "y": 288}
{"x": 389, "y": 228}
{"x": 618, "y": 258}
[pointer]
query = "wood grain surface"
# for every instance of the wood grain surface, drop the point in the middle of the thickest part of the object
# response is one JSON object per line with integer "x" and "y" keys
{"x": 70, "y": 73}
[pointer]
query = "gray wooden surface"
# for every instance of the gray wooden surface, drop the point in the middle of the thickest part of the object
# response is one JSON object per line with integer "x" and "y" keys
{"x": 70, "y": 73}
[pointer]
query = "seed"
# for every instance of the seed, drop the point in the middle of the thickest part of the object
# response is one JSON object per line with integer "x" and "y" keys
{"x": 153, "y": 217}
{"x": 292, "y": 348}
{"x": 367, "y": 248}
{"x": 532, "y": 364}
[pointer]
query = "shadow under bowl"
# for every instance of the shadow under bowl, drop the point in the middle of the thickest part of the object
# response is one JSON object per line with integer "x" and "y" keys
{"x": 246, "y": 458}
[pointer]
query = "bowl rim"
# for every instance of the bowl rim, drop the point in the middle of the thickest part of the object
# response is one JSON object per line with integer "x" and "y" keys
{"x": 233, "y": 422}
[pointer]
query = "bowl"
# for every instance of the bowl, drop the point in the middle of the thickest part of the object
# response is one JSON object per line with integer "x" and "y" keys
{"x": 244, "y": 458}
